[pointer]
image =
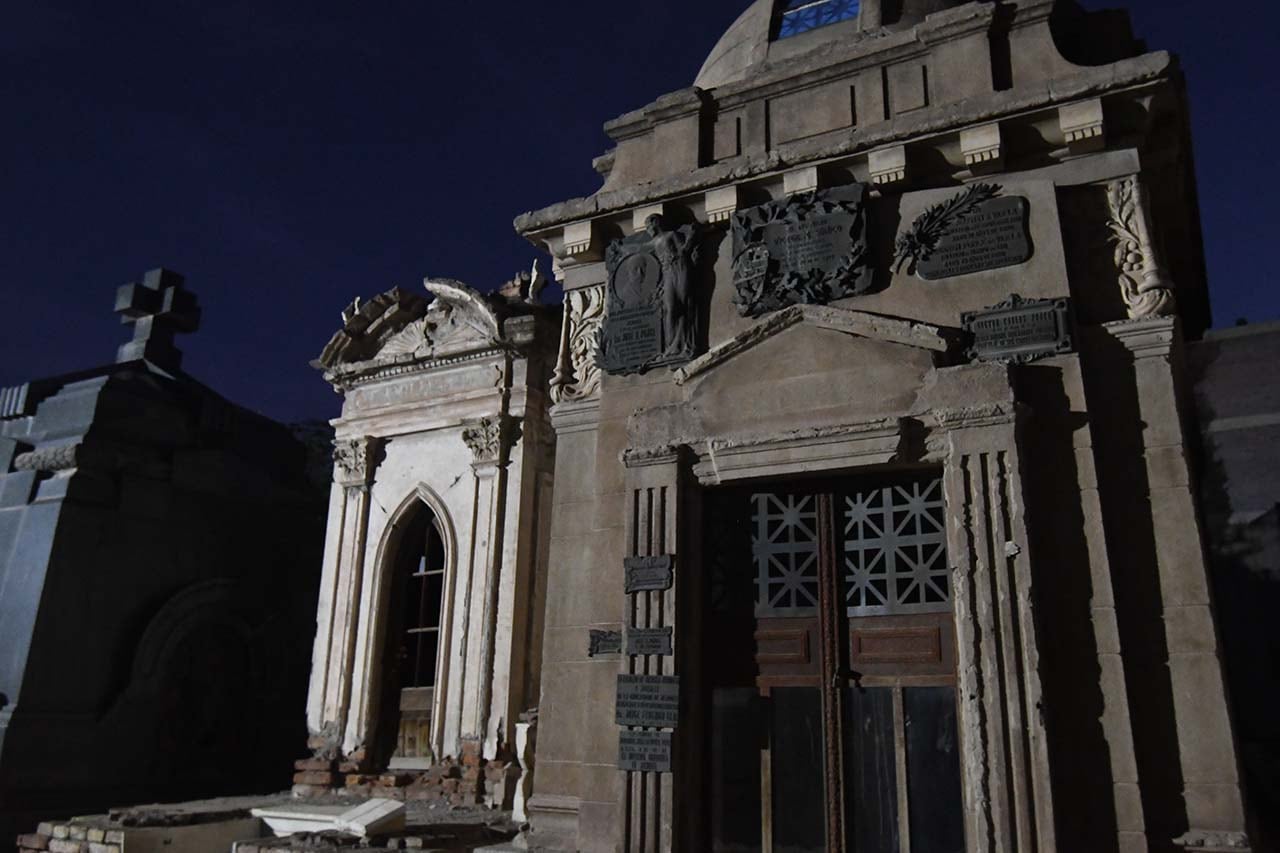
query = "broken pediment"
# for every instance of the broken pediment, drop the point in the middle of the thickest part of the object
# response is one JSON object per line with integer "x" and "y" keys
{"x": 398, "y": 327}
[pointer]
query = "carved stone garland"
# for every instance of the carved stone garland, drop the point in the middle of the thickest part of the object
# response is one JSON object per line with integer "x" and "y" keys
{"x": 577, "y": 375}
{"x": 1145, "y": 286}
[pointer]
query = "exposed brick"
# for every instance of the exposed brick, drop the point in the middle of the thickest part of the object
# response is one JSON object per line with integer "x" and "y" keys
{"x": 322, "y": 765}
{"x": 395, "y": 780}
{"x": 318, "y": 742}
{"x": 350, "y": 766}
{"x": 450, "y": 786}
{"x": 310, "y": 790}
{"x": 314, "y": 777}
{"x": 66, "y": 845}
{"x": 34, "y": 841}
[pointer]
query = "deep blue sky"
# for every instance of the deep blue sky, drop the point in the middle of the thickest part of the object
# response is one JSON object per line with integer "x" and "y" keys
{"x": 287, "y": 156}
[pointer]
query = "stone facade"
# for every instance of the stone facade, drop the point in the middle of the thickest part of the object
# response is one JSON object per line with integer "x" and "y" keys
{"x": 1012, "y": 154}
{"x": 158, "y": 554}
{"x": 445, "y": 399}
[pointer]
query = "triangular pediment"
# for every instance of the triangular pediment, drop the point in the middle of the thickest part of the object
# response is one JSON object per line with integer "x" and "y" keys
{"x": 860, "y": 324}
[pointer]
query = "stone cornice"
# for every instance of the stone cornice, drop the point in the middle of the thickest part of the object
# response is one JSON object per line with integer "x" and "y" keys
{"x": 1091, "y": 82}
{"x": 367, "y": 372}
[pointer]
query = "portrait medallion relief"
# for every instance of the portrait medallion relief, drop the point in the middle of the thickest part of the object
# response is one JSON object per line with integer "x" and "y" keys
{"x": 651, "y": 318}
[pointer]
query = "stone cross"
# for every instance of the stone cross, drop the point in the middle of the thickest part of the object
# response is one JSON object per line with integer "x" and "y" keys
{"x": 158, "y": 308}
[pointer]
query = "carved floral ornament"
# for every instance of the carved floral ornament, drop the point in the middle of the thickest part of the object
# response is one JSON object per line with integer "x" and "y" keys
{"x": 577, "y": 375}
{"x": 354, "y": 460}
{"x": 1144, "y": 285}
{"x": 491, "y": 439}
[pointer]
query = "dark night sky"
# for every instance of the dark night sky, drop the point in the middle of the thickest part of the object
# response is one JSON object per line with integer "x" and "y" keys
{"x": 288, "y": 156}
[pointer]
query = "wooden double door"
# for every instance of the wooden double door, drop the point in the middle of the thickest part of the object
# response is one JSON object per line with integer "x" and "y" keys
{"x": 830, "y": 668}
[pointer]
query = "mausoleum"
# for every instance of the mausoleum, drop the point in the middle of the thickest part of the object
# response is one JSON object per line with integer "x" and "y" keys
{"x": 874, "y": 523}
{"x": 429, "y": 628}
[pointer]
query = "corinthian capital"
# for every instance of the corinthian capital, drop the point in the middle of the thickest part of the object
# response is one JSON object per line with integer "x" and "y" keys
{"x": 491, "y": 439}
{"x": 355, "y": 460}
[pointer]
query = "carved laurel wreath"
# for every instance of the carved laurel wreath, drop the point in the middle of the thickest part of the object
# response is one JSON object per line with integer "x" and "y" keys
{"x": 920, "y": 241}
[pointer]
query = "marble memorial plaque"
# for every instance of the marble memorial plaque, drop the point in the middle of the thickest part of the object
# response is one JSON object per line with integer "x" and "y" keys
{"x": 649, "y": 574}
{"x": 644, "y": 752}
{"x": 809, "y": 248}
{"x": 994, "y": 235}
{"x": 649, "y": 641}
{"x": 605, "y": 643}
{"x": 1019, "y": 330}
{"x": 652, "y": 319}
{"x": 652, "y": 701}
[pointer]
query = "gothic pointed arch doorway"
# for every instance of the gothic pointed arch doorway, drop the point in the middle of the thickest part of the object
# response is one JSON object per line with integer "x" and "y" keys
{"x": 417, "y": 575}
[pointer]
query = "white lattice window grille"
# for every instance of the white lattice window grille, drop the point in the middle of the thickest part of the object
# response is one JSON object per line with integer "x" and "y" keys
{"x": 895, "y": 552}
{"x": 784, "y": 544}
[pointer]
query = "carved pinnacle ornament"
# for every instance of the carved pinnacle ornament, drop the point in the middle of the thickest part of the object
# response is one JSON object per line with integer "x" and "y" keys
{"x": 1145, "y": 286}
{"x": 577, "y": 375}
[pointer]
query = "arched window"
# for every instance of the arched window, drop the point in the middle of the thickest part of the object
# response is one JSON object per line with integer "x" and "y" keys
{"x": 422, "y": 604}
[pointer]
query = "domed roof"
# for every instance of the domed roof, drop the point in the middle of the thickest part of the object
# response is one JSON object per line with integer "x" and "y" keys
{"x": 744, "y": 45}
{"x": 766, "y": 23}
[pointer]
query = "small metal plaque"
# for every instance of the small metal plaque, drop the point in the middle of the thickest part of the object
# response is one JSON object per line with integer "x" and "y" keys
{"x": 649, "y": 641}
{"x": 652, "y": 701}
{"x": 605, "y": 643}
{"x": 649, "y": 574}
{"x": 645, "y": 752}
{"x": 1020, "y": 330}
{"x": 992, "y": 236}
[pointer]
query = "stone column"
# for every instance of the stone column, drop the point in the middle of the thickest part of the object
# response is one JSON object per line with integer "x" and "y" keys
{"x": 1206, "y": 750}
{"x": 490, "y": 441}
{"x": 1005, "y": 765}
{"x": 339, "y": 612}
{"x": 555, "y": 805}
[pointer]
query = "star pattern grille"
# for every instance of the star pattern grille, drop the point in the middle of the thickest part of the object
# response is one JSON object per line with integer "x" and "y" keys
{"x": 801, "y": 16}
{"x": 784, "y": 544}
{"x": 895, "y": 551}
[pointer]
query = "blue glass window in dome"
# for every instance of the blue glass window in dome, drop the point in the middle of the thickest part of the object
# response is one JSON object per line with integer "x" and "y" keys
{"x": 800, "y": 16}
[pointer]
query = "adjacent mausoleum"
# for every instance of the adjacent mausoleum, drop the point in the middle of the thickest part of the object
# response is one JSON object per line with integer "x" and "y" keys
{"x": 159, "y": 550}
